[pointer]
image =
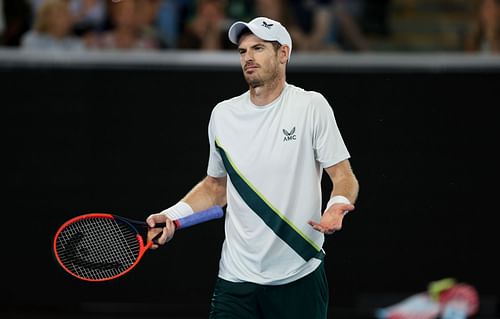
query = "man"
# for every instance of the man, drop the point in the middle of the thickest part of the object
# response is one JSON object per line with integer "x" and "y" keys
{"x": 268, "y": 149}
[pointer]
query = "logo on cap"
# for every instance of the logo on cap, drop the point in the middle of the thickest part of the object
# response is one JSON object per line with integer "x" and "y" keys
{"x": 267, "y": 25}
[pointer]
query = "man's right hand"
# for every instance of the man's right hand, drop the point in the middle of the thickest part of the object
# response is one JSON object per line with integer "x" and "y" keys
{"x": 166, "y": 232}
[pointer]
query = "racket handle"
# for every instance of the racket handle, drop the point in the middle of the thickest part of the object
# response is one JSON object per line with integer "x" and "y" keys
{"x": 199, "y": 217}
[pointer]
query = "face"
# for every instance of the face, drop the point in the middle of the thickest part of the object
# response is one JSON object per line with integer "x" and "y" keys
{"x": 259, "y": 60}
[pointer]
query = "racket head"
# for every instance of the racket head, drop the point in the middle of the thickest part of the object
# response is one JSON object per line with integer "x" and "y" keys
{"x": 98, "y": 247}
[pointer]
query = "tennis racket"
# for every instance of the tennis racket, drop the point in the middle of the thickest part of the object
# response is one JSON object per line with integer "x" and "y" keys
{"x": 101, "y": 247}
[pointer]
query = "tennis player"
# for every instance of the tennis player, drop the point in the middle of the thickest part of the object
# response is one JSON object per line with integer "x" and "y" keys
{"x": 268, "y": 149}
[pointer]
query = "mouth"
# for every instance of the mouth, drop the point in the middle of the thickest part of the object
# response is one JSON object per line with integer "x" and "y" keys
{"x": 250, "y": 68}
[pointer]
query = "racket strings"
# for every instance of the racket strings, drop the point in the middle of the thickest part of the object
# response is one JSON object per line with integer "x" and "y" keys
{"x": 97, "y": 248}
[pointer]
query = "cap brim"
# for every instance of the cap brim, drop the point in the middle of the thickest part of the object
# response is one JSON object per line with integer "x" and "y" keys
{"x": 235, "y": 30}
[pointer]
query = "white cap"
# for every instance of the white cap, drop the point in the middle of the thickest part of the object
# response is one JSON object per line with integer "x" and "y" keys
{"x": 264, "y": 28}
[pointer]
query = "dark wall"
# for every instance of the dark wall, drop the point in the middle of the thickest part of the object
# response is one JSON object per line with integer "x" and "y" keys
{"x": 132, "y": 141}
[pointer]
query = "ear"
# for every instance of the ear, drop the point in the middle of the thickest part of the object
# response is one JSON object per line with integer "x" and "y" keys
{"x": 284, "y": 53}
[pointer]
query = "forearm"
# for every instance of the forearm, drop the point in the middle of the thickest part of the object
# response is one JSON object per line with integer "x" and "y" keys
{"x": 346, "y": 186}
{"x": 207, "y": 193}
{"x": 344, "y": 181}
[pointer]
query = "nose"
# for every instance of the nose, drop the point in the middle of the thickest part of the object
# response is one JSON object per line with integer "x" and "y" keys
{"x": 248, "y": 56}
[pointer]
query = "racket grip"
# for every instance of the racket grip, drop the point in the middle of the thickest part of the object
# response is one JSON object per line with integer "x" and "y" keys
{"x": 199, "y": 217}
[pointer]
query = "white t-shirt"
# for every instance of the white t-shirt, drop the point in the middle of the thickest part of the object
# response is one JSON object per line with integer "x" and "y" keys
{"x": 276, "y": 155}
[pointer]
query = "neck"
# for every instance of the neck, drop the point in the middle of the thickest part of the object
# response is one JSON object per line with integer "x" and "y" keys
{"x": 265, "y": 94}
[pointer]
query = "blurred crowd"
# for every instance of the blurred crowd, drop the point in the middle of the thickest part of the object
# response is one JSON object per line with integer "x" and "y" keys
{"x": 315, "y": 25}
{"x": 485, "y": 35}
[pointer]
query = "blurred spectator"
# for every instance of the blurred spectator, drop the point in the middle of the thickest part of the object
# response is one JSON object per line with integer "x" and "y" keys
{"x": 241, "y": 10}
{"x": 208, "y": 28}
{"x": 320, "y": 25}
{"x": 485, "y": 36}
{"x": 347, "y": 15}
{"x": 126, "y": 29}
{"x": 170, "y": 21}
{"x": 274, "y": 9}
{"x": 312, "y": 21}
{"x": 147, "y": 18}
{"x": 52, "y": 29}
{"x": 17, "y": 21}
{"x": 89, "y": 15}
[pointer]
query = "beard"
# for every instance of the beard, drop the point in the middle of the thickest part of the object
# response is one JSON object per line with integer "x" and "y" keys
{"x": 257, "y": 80}
{"x": 254, "y": 82}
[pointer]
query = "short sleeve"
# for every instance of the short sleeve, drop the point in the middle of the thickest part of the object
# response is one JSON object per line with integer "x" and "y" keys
{"x": 215, "y": 164}
{"x": 328, "y": 144}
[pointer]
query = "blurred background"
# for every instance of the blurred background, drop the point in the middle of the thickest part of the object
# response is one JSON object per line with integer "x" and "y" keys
{"x": 105, "y": 106}
{"x": 316, "y": 25}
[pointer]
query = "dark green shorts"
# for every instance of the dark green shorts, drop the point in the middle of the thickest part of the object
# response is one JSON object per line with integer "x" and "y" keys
{"x": 304, "y": 298}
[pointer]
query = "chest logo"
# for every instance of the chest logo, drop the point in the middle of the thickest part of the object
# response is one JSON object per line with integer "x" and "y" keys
{"x": 289, "y": 135}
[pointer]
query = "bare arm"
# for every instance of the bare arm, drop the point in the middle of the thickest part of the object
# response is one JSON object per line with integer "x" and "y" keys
{"x": 344, "y": 184}
{"x": 207, "y": 193}
{"x": 344, "y": 181}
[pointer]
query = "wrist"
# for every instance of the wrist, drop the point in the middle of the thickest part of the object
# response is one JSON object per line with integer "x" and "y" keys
{"x": 337, "y": 199}
{"x": 177, "y": 211}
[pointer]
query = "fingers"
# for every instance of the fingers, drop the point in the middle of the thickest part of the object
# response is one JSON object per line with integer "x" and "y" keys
{"x": 321, "y": 228}
{"x": 152, "y": 234}
{"x": 154, "y": 219}
{"x": 331, "y": 220}
{"x": 159, "y": 236}
{"x": 168, "y": 232}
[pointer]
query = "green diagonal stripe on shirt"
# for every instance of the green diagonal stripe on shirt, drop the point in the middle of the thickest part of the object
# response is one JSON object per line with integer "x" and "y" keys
{"x": 280, "y": 225}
